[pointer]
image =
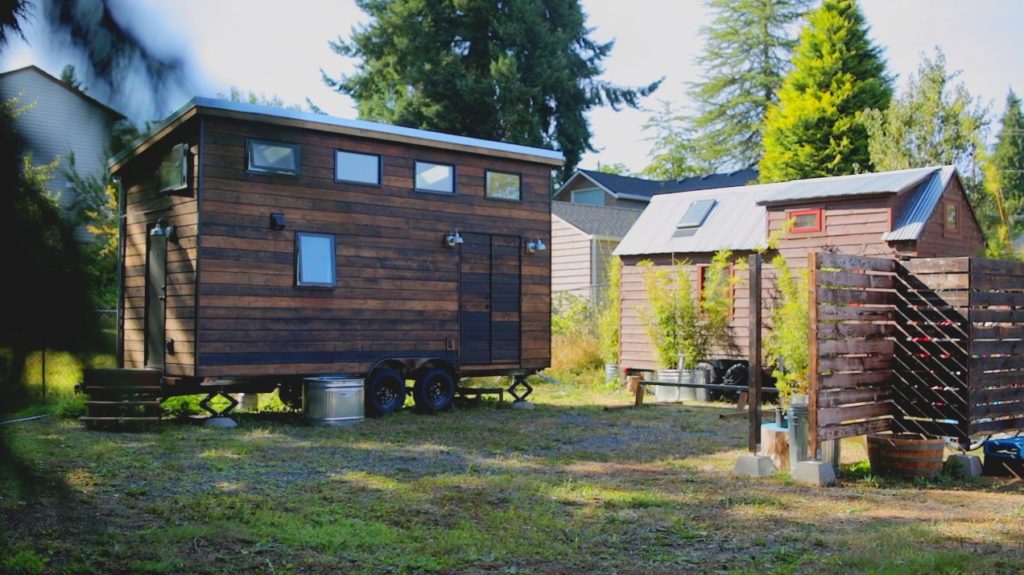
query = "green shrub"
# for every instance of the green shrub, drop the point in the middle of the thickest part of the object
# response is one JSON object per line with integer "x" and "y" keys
{"x": 574, "y": 352}
{"x": 571, "y": 315}
{"x": 608, "y": 316}
{"x": 183, "y": 405}
{"x": 69, "y": 407}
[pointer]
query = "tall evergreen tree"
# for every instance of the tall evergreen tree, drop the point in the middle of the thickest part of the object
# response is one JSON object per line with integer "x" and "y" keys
{"x": 747, "y": 51}
{"x": 525, "y": 72}
{"x": 1008, "y": 162}
{"x": 816, "y": 129}
{"x": 674, "y": 154}
{"x": 934, "y": 122}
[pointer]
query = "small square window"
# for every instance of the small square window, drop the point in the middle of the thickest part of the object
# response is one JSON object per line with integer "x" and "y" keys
{"x": 173, "y": 172}
{"x": 588, "y": 197}
{"x": 314, "y": 260}
{"x": 273, "y": 157}
{"x": 435, "y": 178}
{"x": 356, "y": 168}
{"x": 952, "y": 217}
{"x": 504, "y": 186}
{"x": 806, "y": 221}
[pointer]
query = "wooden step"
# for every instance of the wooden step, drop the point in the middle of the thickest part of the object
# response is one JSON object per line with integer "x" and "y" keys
{"x": 123, "y": 402}
{"x": 121, "y": 388}
{"x": 119, "y": 418}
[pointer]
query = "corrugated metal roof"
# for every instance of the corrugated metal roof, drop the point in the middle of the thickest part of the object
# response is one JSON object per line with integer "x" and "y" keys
{"x": 737, "y": 222}
{"x": 601, "y": 221}
{"x": 920, "y": 206}
{"x": 855, "y": 185}
{"x": 359, "y": 127}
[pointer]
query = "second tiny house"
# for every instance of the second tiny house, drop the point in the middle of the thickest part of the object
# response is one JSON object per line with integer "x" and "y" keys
{"x": 266, "y": 245}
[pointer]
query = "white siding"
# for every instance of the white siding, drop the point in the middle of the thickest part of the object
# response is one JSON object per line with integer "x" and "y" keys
{"x": 58, "y": 121}
{"x": 570, "y": 259}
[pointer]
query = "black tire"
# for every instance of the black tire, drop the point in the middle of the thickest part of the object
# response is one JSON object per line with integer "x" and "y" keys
{"x": 385, "y": 391}
{"x": 735, "y": 375}
{"x": 434, "y": 391}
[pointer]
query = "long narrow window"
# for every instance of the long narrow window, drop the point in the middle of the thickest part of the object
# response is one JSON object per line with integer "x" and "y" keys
{"x": 438, "y": 178}
{"x": 593, "y": 197}
{"x": 314, "y": 260}
{"x": 273, "y": 157}
{"x": 951, "y": 217}
{"x": 356, "y": 168}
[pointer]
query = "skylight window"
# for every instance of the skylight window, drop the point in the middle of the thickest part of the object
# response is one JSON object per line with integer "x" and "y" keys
{"x": 696, "y": 214}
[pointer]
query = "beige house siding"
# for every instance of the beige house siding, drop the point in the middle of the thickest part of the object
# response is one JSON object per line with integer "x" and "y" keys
{"x": 570, "y": 259}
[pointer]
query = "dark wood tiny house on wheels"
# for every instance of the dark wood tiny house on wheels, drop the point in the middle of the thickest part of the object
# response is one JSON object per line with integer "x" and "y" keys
{"x": 261, "y": 246}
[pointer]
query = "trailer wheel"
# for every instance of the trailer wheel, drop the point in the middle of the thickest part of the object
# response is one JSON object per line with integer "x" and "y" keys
{"x": 735, "y": 375}
{"x": 434, "y": 391}
{"x": 385, "y": 391}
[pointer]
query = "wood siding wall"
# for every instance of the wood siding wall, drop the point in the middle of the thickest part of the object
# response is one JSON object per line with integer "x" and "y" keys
{"x": 571, "y": 259}
{"x": 144, "y": 206}
{"x": 637, "y": 351}
{"x": 935, "y": 241}
{"x": 397, "y": 286}
{"x": 852, "y": 227}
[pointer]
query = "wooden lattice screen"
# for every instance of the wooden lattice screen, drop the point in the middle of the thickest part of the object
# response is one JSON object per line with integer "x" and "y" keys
{"x": 852, "y": 302}
{"x": 960, "y": 347}
{"x": 930, "y": 345}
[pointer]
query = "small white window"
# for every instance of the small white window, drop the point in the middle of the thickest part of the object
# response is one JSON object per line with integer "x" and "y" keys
{"x": 504, "y": 186}
{"x": 314, "y": 260}
{"x": 357, "y": 168}
{"x": 696, "y": 213}
{"x": 273, "y": 157}
{"x": 173, "y": 172}
{"x": 588, "y": 197}
{"x": 435, "y": 178}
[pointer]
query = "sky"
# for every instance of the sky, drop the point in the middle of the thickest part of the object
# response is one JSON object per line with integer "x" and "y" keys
{"x": 280, "y": 48}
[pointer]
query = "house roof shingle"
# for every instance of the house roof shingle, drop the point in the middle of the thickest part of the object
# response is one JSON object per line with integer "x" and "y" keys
{"x": 643, "y": 189}
{"x": 601, "y": 221}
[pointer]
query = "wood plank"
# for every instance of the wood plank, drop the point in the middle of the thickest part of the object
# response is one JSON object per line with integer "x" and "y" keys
{"x": 850, "y": 396}
{"x": 853, "y": 380}
{"x": 854, "y": 346}
{"x": 850, "y": 262}
{"x": 829, "y": 416}
{"x": 996, "y": 425}
{"x": 834, "y": 296}
{"x": 844, "y": 364}
{"x": 936, "y": 265}
{"x": 855, "y": 280}
{"x": 843, "y": 331}
{"x": 854, "y": 429}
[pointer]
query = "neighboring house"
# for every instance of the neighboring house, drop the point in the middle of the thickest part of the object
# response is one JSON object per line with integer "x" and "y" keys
{"x": 61, "y": 119}
{"x": 593, "y": 210}
{"x": 600, "y": 189}
{"x": 582, "y": 240}
{"x": 920, "y": 212}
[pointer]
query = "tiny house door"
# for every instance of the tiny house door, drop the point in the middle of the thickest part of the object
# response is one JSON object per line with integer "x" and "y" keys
{"x": 489, "y": 299}
{"x": 156, "y": 297}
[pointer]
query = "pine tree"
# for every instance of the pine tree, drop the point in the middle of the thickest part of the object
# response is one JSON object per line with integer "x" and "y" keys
{"x": 747, "y": 52}
{"x": 524, "y": 72}
{"x": 816, "y": 128}
{"x": 1008, "y": 163}
{"x": 934, "y": 122}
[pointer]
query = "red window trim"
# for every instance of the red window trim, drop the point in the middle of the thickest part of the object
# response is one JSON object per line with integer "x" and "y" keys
{"x": 819, "y": 213}
{"x": 945, "y": 220}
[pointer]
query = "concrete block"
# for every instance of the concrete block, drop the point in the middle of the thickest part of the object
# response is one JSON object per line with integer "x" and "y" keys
{"x": 754, "y": 466}
{"x": 817, "y": 473}
{"x": 220, "y": 421}
{"x": 522, "y": 404}
{"x": 961, "y": 465}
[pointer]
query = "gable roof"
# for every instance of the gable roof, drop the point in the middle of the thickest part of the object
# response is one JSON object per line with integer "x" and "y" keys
{"x": 738, "y": 219}
{"x": 601, "y": 221}
{"x": 642, "y": 189}
{"x": 65, "y": 85}
{"x": 322, "y": 122}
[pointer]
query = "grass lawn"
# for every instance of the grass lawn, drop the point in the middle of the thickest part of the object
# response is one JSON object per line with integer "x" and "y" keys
{"x": 563, "y": 488}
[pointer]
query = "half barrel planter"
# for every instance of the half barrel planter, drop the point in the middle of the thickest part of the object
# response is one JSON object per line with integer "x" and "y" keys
{"x": 905, "y": 455}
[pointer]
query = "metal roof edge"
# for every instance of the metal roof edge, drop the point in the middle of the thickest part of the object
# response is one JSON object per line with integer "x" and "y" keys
{"x": 352, "y": 127}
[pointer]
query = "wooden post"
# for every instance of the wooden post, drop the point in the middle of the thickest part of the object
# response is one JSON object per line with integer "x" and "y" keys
{"x": 639, "y": 402}
{"x": 754, "y": 365}
{"x": 812, "y": 354}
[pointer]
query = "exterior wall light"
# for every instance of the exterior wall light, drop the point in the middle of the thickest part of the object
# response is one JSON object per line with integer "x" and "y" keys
{"x": 277, "y": 221}
{"x": 535, "y": 245}
{"x": 453, "y": 239}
